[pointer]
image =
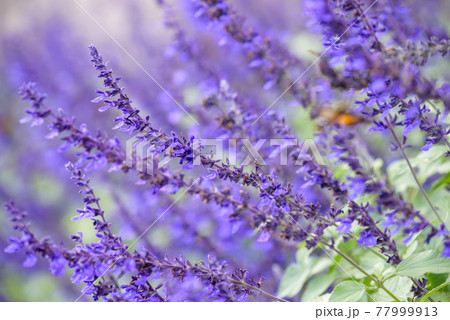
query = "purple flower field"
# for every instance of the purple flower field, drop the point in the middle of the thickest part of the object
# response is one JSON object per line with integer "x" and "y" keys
{"x": 224, "y": 150}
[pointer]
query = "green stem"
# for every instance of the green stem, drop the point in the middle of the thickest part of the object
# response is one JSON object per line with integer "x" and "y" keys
{"x": 335, "y": 224}
{"x": 400, "y": 146}
{"x": 357, "y": 266}
{"x": 376, "y": 252}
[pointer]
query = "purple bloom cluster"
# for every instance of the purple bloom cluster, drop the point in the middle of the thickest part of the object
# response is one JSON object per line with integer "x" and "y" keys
{"x": 99, "y": 265}
{"x": 370, "y": 99}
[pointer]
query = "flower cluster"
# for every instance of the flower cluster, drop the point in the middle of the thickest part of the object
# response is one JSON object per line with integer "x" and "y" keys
{"x": 346, "y": 160}
{"x": 101, "y": 264}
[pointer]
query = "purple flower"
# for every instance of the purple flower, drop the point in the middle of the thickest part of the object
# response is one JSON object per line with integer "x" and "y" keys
{"x": 83, "y": 273}
{"x": 58, "y": 265}
{"x": 410, "y": 126}
{"x": 345, "y": 226}
{"x": 15, "y": 245}
{"x": 357, "y": 187}
{"x": 367, "y": 239}
{"x": 446, "y": 251}
{"x": 30, "y": 261}
{"x": 427, "y": 146}
{"x": 88, "y": 289}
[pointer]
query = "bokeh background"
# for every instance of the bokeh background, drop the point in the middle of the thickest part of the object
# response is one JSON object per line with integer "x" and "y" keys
{"x": 46, "y": 41}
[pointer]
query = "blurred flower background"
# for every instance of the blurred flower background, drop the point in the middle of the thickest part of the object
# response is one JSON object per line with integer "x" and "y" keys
{"x": 46, "y": 41}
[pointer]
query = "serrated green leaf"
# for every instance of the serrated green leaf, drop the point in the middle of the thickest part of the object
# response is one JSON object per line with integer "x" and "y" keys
{"x": 399, "y": 286}
{"x": 347, "y": 291}
{"x": 420, "y": 263}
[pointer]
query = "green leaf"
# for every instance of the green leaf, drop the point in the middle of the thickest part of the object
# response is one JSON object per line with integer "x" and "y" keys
{"x": 347, "y": 291}
{"x": 399, "y": 286}
{"x": 303, "y": 256}
{"x": 431, "y": 162}
{"x": 317, "y": 286}
{"x": 411, "y": 247}
{"x": 443, "y": 181}
{"x": 420, "y": 263}
{"x": 323, "y": 298}
{"x": 378, "y": 269}
{"x": 296, "y": 275}
{"x": 441, "y": 296}
{"x": 320, "y": 265}
{"x": 435, "y": 280}
{"x": 444, "y": 205}
{"x": 426, "y": 164}
{"x": 293, "y": 279}
{"x": 400, "y": 176}
{"x": 434, "y": 290}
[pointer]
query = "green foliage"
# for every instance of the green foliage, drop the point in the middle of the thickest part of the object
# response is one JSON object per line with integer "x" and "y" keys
{"x": 445, "y": 180}
{"x": 296, "y": 274}
{"x": 435, "y": 280}
{"x": 293, "y": 279}
{"x": 317, "y": 286}
{"x": 426, "y": 164}
{"x": 419, "y": 264}
{"x": 399, "y": 286}
{"x": 429, "y": 294}
{"x": 347, "y": 291}
{"x": 38, "y": 286}
{"x": 312, "y": 275}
